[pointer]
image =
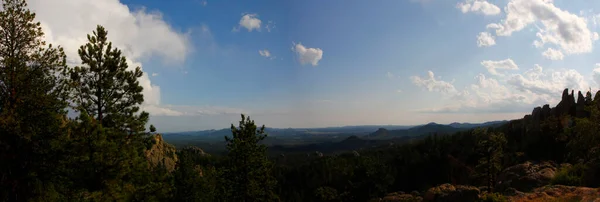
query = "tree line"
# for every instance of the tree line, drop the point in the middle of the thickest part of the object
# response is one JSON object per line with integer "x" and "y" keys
{"x": 99, "y": 155}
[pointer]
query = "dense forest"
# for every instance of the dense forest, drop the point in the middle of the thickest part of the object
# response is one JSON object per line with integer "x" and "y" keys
{"x": 107, "y": 151}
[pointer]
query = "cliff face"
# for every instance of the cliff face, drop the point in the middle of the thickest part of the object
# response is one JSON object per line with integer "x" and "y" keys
{"x": 162, "y": 153}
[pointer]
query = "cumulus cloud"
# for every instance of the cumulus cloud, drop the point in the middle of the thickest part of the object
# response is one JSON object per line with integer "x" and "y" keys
{"x": 249, "y": 21}
{"x": 308, "y": 55}
{"x": 139, "y": 34}
{"x": 514, "y": 93}
{"x": 154, "y": 74}
{"x": 559, "y": 27}
{"x": 493, "y": 66}
{"x": 485, "y": 39}
{"x": 553, "y": 54}
{"x": 432, "y": 84}
{"x": 478, "y": 6}
{"x": 548, "y": 83}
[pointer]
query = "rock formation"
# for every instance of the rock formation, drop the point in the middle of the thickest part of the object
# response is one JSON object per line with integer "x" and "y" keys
{"x": 526, "y": 176}
{"x": 449, "y": 192}
{"x": 559, "y": 193}
{"x": 161, "y": 153}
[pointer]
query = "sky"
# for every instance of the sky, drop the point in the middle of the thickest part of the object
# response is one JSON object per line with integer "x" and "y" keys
{"x": 315, "y": 63}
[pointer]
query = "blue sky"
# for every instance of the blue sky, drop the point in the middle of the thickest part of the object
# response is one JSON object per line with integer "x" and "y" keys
{"x": 333, "y": 63}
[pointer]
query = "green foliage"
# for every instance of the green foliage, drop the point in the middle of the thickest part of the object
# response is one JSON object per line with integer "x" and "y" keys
{"x": 491, "y": 147}
{"x": 152, "y": 129}
{"x": 492, "y": 197}
{"x": 247, "y": 175}
{"x": 104, "y": 88}
{"x": 570, "y": 175}
{"x": 195, "y": 177}
{"x": 32, "y": 106}
{"x": 326, "y": 194}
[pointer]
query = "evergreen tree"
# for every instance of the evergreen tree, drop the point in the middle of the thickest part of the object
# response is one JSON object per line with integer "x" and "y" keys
{"x": 32, "y": 105}
{"x": 247, "y": 176}
{"x": 105, "y": 89}
{"x": 111, "y": 161}
{"x": 491, "y": 147}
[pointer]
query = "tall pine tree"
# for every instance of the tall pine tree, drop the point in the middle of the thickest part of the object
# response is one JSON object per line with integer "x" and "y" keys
{"x": 491, "y": 148}
{"x": 248, "y": 174}
{"x": 110, "y": 138}
{"x": 32, "y": 105}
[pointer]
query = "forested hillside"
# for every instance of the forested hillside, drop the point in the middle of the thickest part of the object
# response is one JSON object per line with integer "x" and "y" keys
{"x": 107, "y": 152}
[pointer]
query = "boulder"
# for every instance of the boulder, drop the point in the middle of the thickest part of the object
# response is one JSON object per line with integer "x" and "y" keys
{"x": 526, "y": 176}
{"x": 449, "y": 192}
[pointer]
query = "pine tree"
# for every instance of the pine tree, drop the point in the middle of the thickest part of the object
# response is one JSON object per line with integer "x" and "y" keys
{"x": 247, "y": 176}
{"x": 111, "y": 160}
{"x": 32, "y": 105}
{"x": 105, "y": 89}
{"x": 491, "y": 147}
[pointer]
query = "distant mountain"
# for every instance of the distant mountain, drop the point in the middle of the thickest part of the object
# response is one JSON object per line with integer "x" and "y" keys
{"x": 429, "y": 128}
{"x": 475, "y": 125}
{"x": 331, "y": 130}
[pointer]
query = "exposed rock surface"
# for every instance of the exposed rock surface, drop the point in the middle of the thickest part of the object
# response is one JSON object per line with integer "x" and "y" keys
{"x": 525, "y": 177}
{"x": 161, "y": 153}
{"x": 400, "y": 197}
{"x": 559, "y": 193}
{"x": 448, "y": 192}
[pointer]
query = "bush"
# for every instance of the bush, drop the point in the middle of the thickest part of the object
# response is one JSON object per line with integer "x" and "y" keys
{"x": 570, "y": 176}
{"x": 493, "y": 197}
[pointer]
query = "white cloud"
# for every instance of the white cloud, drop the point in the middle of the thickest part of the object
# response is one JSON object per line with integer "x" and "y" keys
{"x": 308, "y": 55}
{"x": 249, "y": 21}
{"x": 389, "y": 75}
{"x": 485, "y": 39}
{"x": 399, "y": 91}
{"x": 139, "y": 34}
{"x": 548, "y": 83}
{"x": 514, "y": 93}
{"x": 566, "y": 30}
{"x": 596, "y": 75}
{"x": 204, "y": 3}
{"x": 154, "y": 74}
{"x": 266, "y": 53}
{"x": 553, "y": 54}
{"x": 478, "y": 6}
{"x": 493, "y": 66}
{"x": 431, "y": 84}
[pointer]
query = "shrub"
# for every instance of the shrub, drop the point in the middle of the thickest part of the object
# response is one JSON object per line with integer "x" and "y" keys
{"x": 492, "y": 197}
{"x": 570, "y": 176}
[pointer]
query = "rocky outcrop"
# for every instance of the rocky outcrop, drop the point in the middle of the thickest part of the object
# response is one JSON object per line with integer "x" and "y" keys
{"x": 566, "y": 104}
{"x": 161, "y": 153}
{"x": 580, "y": 106}
{"x": 559, "y": 193}
{"x": 399, "y": 197}
{"x": 448, "y": 192}
{"x": 526, "y": 176}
